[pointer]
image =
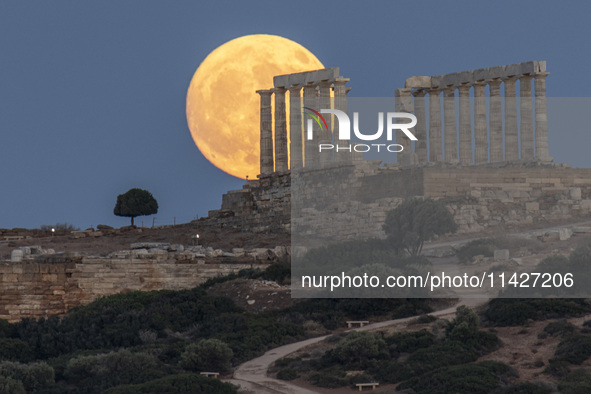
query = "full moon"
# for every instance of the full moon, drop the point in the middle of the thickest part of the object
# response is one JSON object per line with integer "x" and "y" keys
{"x": 222, "y": 106}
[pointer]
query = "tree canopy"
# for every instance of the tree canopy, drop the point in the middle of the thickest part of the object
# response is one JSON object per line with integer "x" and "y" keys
{"x": 415, "y": 221}
{"x": 135, "y": 202}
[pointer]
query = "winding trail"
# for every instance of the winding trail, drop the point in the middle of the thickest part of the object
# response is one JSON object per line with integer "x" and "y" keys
{"x": 251, "y": 376}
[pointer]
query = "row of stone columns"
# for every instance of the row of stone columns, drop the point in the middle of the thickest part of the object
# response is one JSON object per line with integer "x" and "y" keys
{"x": 303, "y": 152}
{"x": 488, "y": 142}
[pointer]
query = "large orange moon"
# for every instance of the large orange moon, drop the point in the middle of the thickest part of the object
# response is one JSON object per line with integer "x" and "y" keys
{"x": 223, "y": 108}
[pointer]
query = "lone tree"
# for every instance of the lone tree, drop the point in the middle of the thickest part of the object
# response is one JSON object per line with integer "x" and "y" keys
{"x": 136, "y": 202}
{"x": 415, "y": 221}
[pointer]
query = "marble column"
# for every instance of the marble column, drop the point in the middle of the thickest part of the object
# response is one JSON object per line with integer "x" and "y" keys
{"x": 435, "y": 153}
{"x": 310, "y": 146}
{"x": 280, "y": 131}
{"x": 511, "y": 140}
{"x": 496, "y": 121}
{"x": 403, "y": 103}
{"x": 295, "y": 128}
{"x": 325, "y": 136}
{"x": 542, "y": 152}
{"x": 421, "y": 127}
{"x": 340, "y": 103}
{"x": 526, "y": 128}
{"x": 450, "y": 130}
{"x": 465, "y": 125}
{"x": 480, "y": 135}
{"x": 266, "y": 132}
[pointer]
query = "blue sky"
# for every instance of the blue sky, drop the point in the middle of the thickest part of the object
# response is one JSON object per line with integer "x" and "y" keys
{"x": 92, "y": 94}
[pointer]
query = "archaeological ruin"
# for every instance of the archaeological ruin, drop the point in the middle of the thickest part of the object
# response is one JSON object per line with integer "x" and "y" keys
{"x": 487, "y": 157}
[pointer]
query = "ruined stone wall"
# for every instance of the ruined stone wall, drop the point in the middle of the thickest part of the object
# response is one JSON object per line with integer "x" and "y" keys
{"x": 33, "y": 290}
{"x": 341, "y": 202}
{"x": 483, "y": 197}
{"x": 262, "y": 205}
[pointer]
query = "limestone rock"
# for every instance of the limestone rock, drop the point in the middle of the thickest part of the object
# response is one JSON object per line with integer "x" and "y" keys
{"x": 150, "y": 245}
{"x": 564, "y": 233}
{"x": 17, "y": 255}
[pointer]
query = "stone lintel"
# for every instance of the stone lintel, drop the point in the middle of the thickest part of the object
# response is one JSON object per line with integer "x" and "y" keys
{"x": 418, "y": 82}
{"x": 303, "y": 78}
{"x": 483, "y": 74}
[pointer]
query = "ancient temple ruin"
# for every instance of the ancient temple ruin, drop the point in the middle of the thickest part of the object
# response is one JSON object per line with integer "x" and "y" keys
{"x": 316, "y": 86}
{"x": 485, "y": 155}
{"x": 504, "y": 137}
{"x": 502, "y": 125}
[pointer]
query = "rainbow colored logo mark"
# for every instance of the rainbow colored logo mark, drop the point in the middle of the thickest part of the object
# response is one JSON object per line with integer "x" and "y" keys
{"x": 316, "y": 115}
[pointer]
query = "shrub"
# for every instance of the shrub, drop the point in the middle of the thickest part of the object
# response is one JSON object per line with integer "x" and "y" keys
{"x": 423, "y": 319}
{"x": 15, "y": 350}
{"x": 415, "y": 221}
{"x": 574, "y": 349}
{"x": 329, "y": 378}
{"x": 525, "y": 388}
{"x": 575, "y": 382}
{"x": 513, "y": 312}
{"x": 553, "y": 264}
{"x": 11, "y": 386}
{"x": 476, "y": 247}
{"x": 207, "y": 355}
{"x": 482, "y": 377}
{"x": 560, "y": 327}
{"x": 409, "y": 342}
{"x": 188, "y": 383}
{"x": 93, "y": 374}
{"x": 277, "y": 272}
{"x": 34, "y": 376}
{"x": 358, "y": 348}
{"x": 287, "y": 374}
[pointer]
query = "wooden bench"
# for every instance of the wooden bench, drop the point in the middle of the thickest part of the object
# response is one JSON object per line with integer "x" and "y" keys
{"x": 360, "y": 323}
{"x": 372, "y": 385}
{"x": 210, "y": 374}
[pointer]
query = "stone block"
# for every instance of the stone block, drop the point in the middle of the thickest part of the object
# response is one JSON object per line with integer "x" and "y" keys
{"x": 564, "y": 233}
{"x": 501, "y": 254}
{"x": 575, "y": 193}
{"x": 238, "y": 251}
{"x": 532, "y": 206}
{"x": 17, "y": 255}
{"x": 418, "y": 82}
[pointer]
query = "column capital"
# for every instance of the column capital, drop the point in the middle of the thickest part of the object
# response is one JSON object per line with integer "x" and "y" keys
{"x": 511, "y": 79}
{"x": 482, "y": 82}
{"x": 449, "y": 90}
{"x": 325, "y": 84}
{"x": 265, "y": 92}
{"x": 494, "y": 82}
{"x": 541, "y": 75}
{"x": 434, "y": 91}
{"x": 526, "y": 77}
{"x": 279, "y": 89}
{"x": 419, "y": 92}
{"x": 464, "y": 89}
{"x": 294, "y": 88}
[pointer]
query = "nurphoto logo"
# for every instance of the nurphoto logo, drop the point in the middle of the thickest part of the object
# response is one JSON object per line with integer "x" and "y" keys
{"x": 344, "y": 130}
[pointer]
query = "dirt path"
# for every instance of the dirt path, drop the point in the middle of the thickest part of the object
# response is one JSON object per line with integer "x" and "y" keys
{"x": 252, "y": 377}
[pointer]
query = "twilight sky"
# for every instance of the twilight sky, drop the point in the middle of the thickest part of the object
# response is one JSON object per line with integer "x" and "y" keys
{"x": 92, "y": 94}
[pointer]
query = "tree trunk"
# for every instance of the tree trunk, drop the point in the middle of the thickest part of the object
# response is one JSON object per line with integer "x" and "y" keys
{"x": 132, "y": 220}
